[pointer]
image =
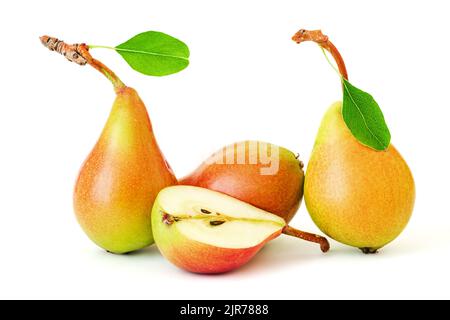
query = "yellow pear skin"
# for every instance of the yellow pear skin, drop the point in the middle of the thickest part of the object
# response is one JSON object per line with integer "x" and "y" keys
{"x": 356, "y": 195}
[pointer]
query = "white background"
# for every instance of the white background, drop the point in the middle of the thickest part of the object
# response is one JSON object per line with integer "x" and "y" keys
{"x": 246, "y": 80}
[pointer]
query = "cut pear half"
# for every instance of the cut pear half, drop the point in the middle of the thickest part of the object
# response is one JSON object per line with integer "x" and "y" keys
{"x": 216, "y": 219}
{"x": 205, "y": 231}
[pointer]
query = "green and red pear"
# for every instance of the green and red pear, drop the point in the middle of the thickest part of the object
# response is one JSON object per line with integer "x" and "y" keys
{"x": 121, "y": 178}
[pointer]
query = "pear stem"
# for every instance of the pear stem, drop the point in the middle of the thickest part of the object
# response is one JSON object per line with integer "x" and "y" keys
{"x": 322, "y": 40}
{"x": 324, "y": 244}
{"x": 79, "y": 53}
{"x": 98, "y": 65}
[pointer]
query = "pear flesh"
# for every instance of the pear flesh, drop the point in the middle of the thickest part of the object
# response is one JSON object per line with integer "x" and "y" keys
{"x": 121, "y": 178}
{"x": 356, "y": 195}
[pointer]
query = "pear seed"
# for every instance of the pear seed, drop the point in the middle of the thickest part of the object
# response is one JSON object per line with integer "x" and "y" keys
{"x": 216, "y": 222}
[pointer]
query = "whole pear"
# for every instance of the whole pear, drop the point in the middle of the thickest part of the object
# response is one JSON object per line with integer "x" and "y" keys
{"x": 121, "y": 178}
{"x": 354, "y": 194}
{"x": 262, "y": 174}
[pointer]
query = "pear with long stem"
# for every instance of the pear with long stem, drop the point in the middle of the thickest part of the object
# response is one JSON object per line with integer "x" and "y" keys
{"x": 123, "y": 174}
{"x": 358, "y": 188}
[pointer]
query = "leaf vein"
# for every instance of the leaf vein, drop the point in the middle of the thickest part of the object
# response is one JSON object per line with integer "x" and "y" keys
{"x": 151, "y": 53}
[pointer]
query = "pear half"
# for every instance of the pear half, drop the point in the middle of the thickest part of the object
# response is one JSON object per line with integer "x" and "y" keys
{"x": 204, "y": 231}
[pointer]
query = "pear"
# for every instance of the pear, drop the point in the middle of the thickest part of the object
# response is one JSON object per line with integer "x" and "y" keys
{"x": 262, "y": 174}
{"x": 359, "y": 195}
{"x": 121, "y": 178}
{"x": 204, "y": 231}
{"x": 356, "y": 195}
{"x": 123, "y": 174}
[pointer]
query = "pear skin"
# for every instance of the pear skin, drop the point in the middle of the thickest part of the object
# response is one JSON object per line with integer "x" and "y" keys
{"x": 279, "y": 192}
{"x": 356, "y": 195}
{"x": 121, "y": 178}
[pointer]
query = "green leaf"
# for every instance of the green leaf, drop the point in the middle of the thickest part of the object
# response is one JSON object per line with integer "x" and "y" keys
{"x": 155, "y": 53}
{"x": 364, "y": 118}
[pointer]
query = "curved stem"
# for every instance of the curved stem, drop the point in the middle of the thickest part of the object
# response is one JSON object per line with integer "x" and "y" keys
{"x": 322, "y": 40}
{"x": 108, "y": 73}
{"x": 324, "y": 244}
{"x": 79, "y": 53}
